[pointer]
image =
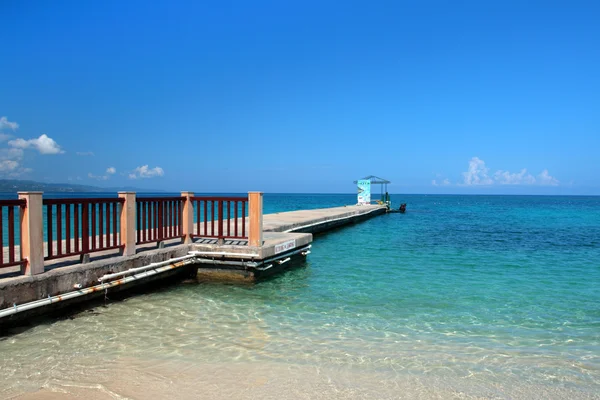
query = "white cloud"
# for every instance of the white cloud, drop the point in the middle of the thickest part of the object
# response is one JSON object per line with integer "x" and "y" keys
{"x": 545, "y": 179}
{"x": 145, "y": 172}
{"x": 109, "y": 171}
{"x": 98, "y": 177}
{"x": 8, "y": 165}
{"x": 445, "y": 182}
{"x": 477, "y": 173}
{"x": 6, "y": 124}
{"x": 516, "y": 178}
{"x": 11, "y": 154}
{"x": 85, "y": 153}
{"x": 11, "y": 157}
{"x": 44, "y": 144}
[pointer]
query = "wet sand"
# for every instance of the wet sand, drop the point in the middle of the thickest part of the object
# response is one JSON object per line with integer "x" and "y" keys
{"x": 141, "y": 379}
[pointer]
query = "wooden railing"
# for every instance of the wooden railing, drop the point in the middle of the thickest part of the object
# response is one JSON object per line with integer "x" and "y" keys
{"x": 220, "y": 217}
{"x": 81, "y": 226}
{"x": 11, "y": 234}
{"x": 48, "y": 229}
{"x": 159, "y": 219}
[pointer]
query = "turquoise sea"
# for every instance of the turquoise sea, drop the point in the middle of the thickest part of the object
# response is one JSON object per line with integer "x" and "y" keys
{"x": 461, "y": 297}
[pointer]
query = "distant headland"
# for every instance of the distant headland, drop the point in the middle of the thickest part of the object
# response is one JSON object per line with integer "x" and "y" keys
{"x": 16, "y": 185}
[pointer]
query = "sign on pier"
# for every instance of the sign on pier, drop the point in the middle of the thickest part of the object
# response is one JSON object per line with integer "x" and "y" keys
{"x": 364, "y": 192}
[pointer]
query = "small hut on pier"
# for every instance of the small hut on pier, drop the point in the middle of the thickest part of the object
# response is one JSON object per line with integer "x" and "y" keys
{"x": 364, "y": 190}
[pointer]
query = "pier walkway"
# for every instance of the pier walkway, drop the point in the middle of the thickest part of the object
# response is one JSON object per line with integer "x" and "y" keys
{"x": 318, "y": 220}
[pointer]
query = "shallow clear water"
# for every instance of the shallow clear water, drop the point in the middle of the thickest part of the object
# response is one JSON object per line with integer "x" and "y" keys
{"x": 488, "y": 296}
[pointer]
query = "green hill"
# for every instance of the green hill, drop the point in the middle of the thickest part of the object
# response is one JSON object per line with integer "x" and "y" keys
{"x": 16, "y": 185}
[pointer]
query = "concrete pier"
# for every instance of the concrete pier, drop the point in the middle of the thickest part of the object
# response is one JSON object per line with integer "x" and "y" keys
{"x": 284, "y": 240}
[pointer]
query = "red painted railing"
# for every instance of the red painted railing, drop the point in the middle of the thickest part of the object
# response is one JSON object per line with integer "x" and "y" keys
{"x": 159, "y": 219}
{"x": 81, "y": 226}
{"x": 13, "y": 258}
{"x": 220, "y": 217}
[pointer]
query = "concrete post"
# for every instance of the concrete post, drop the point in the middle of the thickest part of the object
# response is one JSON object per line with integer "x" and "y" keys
{"x": 128, "y": 223}
{"x": 32, "y": 235}
{"x": 255, "y": 214}
{"x": 187, "y": 216}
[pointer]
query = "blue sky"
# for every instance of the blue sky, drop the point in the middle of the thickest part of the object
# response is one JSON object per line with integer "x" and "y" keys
{"x": 306, "y": 96}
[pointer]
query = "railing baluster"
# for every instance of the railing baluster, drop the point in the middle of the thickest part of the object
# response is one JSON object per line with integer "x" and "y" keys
{"x": 22, "y": 208}
{"x": 205, "y": 203}
{"x": 243, "y": 218}
{"x": 236, "y": 219}
{"x": 85, "y": 227}
{"x": 156, "y": 231}
{"x": 100, "y": 229}
{"x": 148, "y": 212}
{"x": 212, "y": 218}
{"x": 157, "y": 220}
{"x": 228, "y": 218}
{"x": 180, "y": 217}
{"x": 168, "y": 214}
{"x": 58, "y": 229}
{"x": 172, "y": 219}
{"x": 220, "y": 206}
{"x": 166, "y": 218}
{"x": 11, "y": 234}
{"x": 68, "y": 227}
{"x": 115, "y": 230}
{"x": 178, "y": 223}
{"x": 165, "y": 206}
{"x": 107, "y": 222}
{"x": 93, "y": 205}
{"x": 146, "y": 218}
{"x": 139, "y": 221}
{"x": 160, "y": 220}
{"x": 49, "y": 229}
{"x": 144, "y": 222}
{"x": 76, "y": 227}
{"x": 197, "y": 217}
